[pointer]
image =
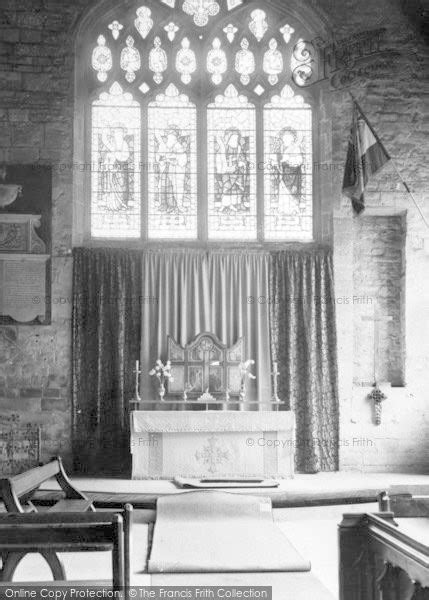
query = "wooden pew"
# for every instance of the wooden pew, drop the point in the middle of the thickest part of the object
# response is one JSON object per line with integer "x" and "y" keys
{"x": 17, "y": 493}
{"x": 49, "y": 533}
{"x": 18, "y": 490}
{"x": 379, "y": 558}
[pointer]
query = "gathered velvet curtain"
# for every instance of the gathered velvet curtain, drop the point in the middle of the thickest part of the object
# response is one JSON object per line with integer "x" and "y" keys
{"x": 304, "y": 345}
{"x": 191, "y": 291}
{"x": 105, "y": 345}
{"x": 126, "y": 303}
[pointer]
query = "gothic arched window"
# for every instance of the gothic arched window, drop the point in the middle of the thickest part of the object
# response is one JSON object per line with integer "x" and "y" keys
{"x": 199, "y": 130}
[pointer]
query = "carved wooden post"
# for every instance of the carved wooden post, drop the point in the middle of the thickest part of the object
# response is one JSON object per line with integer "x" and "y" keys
{"x": 354, "y": 572}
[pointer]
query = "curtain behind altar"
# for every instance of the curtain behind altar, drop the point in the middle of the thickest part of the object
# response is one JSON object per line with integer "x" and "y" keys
{"x": 105, "y": 345}
{"x": 303, "y": 335}
{"x": 188, "y": 292}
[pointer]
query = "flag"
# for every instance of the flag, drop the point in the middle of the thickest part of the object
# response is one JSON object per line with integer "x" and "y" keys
{"x": 365, "y": 156}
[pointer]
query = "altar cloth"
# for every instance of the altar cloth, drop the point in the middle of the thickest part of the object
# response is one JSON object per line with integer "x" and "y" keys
{"x": 215, "y": 532}
{"x": 200, "y": 444}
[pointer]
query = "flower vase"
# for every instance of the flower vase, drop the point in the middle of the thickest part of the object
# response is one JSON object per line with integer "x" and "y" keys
{"x": 161, "y": 392}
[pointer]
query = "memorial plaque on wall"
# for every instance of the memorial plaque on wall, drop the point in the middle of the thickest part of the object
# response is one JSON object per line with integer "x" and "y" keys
{"x": 25, "y": 244}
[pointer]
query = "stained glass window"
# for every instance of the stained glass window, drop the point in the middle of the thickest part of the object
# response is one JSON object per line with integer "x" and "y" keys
{"x": 130, "y": 60}
{"x": 273, "y": 62}
{"x": 246, "y": 133}
{"x": 245, "y": 62}
{"x": 101, "y": 59}
{"x": 231, "y": 130}
{"x": 115, "y": 199}
{"x": 157, "y": 60}
{"x": 230, "y": 31}
{"x": 258, "y": 24}
{"x": 288, "y": 172}
{"x": 144, "y": 22}
{"x": 186, "y": 62}
{"x": 201, "y": 10}
{"x": 171, "y": 29}
{"x": 217, "y": 62}
{"x": 287, "y": 32}
{"x": 172, "y": 166}
{"x": 116, "y": 29}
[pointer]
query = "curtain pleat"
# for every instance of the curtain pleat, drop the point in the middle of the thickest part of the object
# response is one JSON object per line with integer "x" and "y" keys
{"x": 239, "y": 288}
{"x": 191, "y": 292}
{"x": 303, "y": 334}
{"x": 105, "y": 345}
{"x": 175, "y": 302}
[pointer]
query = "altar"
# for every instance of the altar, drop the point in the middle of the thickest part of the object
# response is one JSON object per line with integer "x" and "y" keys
{"x": 212, "y": 444}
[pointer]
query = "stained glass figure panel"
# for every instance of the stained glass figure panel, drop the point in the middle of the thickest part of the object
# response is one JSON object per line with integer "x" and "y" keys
{"x": 172, "y": 173}
{"x": 288, "y": 207}
{"x": 231, "y": 168}
{"x": 115, "y": 186}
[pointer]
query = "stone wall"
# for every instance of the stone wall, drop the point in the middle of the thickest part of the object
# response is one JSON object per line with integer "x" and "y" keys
{"x": 393, "y": 92}
{"x": 36, "y": 124}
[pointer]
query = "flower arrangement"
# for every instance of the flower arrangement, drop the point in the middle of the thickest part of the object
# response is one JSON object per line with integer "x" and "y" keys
{"x": 244, "y": 374}
{"x": 163, "y": 374}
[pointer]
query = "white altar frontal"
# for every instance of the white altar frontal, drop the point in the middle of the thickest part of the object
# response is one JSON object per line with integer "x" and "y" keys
{"x": 212, "y": 444}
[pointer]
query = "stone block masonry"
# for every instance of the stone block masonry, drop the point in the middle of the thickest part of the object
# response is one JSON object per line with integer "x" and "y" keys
{"x": 379, "y": 291}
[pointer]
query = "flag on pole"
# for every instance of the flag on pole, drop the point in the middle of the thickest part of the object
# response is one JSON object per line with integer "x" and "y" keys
{"x": 365, "y": 156}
